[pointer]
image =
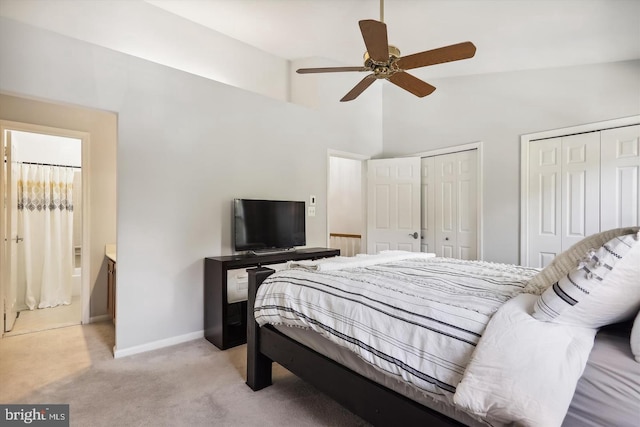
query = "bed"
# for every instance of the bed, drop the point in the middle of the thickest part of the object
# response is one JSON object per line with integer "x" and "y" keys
{"x": 479, "y": 355}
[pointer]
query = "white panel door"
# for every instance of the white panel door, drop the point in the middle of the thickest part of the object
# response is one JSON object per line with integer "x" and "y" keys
{"x": 456, "y": 187}
{"x": 467, "y": 205}
{"x": 580, "y": 187}
{"x": 564, "y": 194}
{"x": 447, "y": 210}
{"x": 428, "y": 211}
{"x": 545, "y": 207}
{"x": 393, "y": 214}
{"x": 620, "y": 177}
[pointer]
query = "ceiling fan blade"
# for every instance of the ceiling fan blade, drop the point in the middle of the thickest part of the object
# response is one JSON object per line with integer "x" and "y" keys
{"x": 329, "y": 70}
{"x": 374, "y": 34}
{"x": 412, "y": 84}
{"x": 454, "y": 52}
{"x": 359, "y": 88}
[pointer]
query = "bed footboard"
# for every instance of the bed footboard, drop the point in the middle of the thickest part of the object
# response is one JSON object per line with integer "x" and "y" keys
{"x": 258, "y": 365}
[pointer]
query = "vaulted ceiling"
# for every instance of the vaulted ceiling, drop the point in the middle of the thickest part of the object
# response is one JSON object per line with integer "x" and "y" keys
{"x": 509, "y": 34}
{"x": 186, "y": 34}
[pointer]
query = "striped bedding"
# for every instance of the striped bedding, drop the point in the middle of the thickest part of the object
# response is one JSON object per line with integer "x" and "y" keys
{"x": 418, "y": 319}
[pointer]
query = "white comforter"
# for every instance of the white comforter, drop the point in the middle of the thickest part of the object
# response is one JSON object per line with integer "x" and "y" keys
{"x": 360, "y": 260}
{"x": 524, "y": 371}
{"x": 418, "y": 318}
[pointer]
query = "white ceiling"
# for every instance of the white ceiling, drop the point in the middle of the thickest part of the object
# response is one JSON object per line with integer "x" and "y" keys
{"x": 509, "y": 34}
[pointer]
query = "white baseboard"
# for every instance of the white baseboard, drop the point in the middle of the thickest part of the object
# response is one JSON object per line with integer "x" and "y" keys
{"x": 100, "y": 318}
{"x": 155, "y": 345}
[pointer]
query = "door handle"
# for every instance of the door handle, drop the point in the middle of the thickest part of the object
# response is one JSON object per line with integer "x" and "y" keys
{"x": 19, "y": 239}
{"x": 414, "y": 235}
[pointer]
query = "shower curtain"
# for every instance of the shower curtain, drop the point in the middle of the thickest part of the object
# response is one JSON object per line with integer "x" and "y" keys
{"x": 45, "y": 221}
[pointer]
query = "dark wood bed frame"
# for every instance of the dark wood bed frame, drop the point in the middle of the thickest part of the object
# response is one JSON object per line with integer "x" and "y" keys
{"x": 362, "y": 396}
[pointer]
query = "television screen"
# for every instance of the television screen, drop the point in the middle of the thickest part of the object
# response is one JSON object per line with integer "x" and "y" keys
{"x": 268, "y": 224}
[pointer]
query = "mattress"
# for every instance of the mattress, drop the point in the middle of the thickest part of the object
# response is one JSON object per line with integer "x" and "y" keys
{"x": 608, "y": 393}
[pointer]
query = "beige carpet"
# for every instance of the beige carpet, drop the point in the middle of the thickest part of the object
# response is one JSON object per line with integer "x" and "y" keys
{"x": 191, "y": 384}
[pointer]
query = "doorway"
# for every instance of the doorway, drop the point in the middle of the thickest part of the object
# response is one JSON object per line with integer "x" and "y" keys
{"x": 346, "y": 205}
{"x": 42, "y": 255}
{"x": 459, "y": 225}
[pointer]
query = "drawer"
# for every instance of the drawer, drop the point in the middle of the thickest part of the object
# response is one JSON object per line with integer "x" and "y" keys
{"x": 238, "y": 283}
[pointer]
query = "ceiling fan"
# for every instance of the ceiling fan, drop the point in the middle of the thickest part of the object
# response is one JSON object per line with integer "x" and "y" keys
{"x": 384, "y": 61}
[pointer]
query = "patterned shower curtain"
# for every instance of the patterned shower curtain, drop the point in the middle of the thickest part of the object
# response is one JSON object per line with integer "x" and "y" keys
{"x": 45, "y": 221}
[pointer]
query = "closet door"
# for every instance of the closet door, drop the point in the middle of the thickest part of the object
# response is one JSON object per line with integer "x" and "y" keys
{"x": 428, "y": 212}
{"x": 545, "y": 201}
{"x": 467, "y": 184}
{"x": 456, "y": 188}
{"x": 446, "y": 196}
{"x": 577, "y": 185}
{"x": 620, "y": 177}
{"x": 580, "y": 187}
{"x": 564, "y": 194}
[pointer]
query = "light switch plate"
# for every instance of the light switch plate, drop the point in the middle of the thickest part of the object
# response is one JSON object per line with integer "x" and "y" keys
{"x": 312, "y": 200}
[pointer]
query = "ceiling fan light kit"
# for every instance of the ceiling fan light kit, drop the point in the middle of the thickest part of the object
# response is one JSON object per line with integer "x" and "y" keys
{"x": 384, "y": 61}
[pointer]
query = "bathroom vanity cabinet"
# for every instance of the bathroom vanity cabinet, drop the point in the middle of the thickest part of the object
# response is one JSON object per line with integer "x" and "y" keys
{"x": 111, "y": 289}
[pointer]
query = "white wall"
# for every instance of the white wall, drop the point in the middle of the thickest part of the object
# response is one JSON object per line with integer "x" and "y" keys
{"x": 186, "y": 147}
{"x": 189, "y": 47}
{"x": 360, "y": 120}
{"x": 51, "y": 149}
{"x": 497, "y": 109}
{"x": 345, "y": 196}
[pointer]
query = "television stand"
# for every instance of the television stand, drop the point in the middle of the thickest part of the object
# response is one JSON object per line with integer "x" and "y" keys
{"x": 261, "y": 252}
{"x": 225, "y": 324}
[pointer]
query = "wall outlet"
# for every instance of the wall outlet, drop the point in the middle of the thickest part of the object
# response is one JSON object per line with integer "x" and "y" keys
{"x": 312, "y": 200}
{"x": 311, "y": 211}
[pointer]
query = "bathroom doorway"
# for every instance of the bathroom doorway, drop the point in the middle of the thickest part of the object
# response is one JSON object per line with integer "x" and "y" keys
{"x": 43, "y": 228}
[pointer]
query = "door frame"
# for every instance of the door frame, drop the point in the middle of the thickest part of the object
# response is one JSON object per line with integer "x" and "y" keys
{"x": 524, "y": 166}
{"x": 363, "y": 190}
{"x": 84, "y": 137}
{"x": 479, "y": 162}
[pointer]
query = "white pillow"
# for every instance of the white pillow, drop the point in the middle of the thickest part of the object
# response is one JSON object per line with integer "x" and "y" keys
{"x": 603, "y": 289}
{"x": 635, "y": 338}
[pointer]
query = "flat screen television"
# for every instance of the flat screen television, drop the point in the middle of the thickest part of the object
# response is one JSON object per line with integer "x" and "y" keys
{"x": 266, "y": 225}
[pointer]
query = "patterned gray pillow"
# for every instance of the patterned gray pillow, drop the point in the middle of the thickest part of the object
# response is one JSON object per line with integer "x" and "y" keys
{"x": 603, "y": 289}
{"x": 569, "y": 259}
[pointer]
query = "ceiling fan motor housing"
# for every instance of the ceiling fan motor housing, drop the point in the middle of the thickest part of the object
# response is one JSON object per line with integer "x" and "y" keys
{"x": 383, "y": 70}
